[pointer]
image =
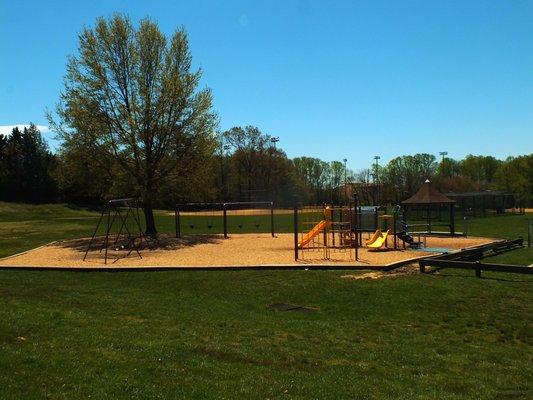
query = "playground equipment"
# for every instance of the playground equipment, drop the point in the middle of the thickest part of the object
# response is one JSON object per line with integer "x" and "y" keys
{"x": 216, "y": 216}
{"x": 325, "y": 229}
{"x": 313, "y": 232}
{"x": 337, "y": 228}
{"x": 329, "y": 229}
{"x": 374, "y": 237}
{"x": 410, "y": 240}
{"x": 125, "y": 214}
{"x": 379, "y": 240}
{"x": 383, "y": 222}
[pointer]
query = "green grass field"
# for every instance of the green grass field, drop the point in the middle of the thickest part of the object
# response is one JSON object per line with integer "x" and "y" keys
{"x": 210, "y": 335}
{"x": 175, "y": 334}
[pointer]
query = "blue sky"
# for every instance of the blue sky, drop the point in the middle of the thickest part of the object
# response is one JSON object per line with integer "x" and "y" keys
{"x": 331, "y": 79}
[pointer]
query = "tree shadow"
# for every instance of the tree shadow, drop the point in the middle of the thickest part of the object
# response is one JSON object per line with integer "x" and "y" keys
{"x": 162, "y": 242}
{"x": 438, "y": 271}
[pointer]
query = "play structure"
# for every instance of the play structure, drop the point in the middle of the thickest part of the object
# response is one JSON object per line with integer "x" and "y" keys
{"x": 123, "y": 232}
{"x": 223, "y": 218}
{"x": 325, "y": 230}
{"x": 378, "y": 240}
{"x": 330, "y": 229}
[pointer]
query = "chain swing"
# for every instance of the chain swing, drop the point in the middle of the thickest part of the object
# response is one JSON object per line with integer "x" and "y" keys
{"x": 210, "y": 220}
{"x": 240, "y": 225}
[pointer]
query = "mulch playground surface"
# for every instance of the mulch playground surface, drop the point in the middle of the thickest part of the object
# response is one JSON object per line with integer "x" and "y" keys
{"x": 240, "y": 250}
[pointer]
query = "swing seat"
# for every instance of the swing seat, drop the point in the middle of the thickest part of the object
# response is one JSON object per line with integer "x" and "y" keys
{"x": 240, "y": 226}
{"x": 191, "y": 226}
{"x": 209, "y": 226}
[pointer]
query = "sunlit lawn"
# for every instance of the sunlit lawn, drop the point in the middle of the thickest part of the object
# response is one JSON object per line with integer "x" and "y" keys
{"x": 210, "y": 334}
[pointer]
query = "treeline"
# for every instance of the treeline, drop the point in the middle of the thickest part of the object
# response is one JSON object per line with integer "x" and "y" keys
{"x": 244, "y": 164}
{"x": 241, "y": 164}
{"x": 26, "y": 167}
{"x": 402, "y": 176}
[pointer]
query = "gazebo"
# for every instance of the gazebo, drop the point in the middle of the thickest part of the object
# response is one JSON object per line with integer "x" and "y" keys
{"x": 428, "y": 198}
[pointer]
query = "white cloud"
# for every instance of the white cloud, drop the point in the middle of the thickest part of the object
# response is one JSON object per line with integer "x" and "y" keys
{"x": 6, "y": 129}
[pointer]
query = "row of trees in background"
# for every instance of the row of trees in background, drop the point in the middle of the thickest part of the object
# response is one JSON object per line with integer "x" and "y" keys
{"x": 133, "y": 121}
{"x": 244, "y": 164}
{"x": 26, "y": 167}
{"x": 403, "y": 175}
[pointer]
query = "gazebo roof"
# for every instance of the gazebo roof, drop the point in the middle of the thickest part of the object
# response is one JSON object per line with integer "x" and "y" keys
{"x": 427, "y": 194}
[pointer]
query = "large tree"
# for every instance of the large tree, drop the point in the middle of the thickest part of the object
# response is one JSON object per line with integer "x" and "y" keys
{"x": 132, "y": 97}
{"x": 409, "y": 172}
{"x": 315, "y": 173}
{"x": 480, "y": 168}
{"x": 250, "y": 148}
{"x": 515, "y": 175}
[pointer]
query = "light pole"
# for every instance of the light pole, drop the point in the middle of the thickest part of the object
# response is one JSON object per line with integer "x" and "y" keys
{"x": 443, "y": 154}
{"x": 225, "y": 148}
{"x": 345, "y": 187}
{"x": 273, "y": 140}
{"x": 376, "y": 177}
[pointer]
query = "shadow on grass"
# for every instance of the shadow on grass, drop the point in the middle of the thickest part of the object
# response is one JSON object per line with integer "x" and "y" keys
{"x": 449, "y": 273}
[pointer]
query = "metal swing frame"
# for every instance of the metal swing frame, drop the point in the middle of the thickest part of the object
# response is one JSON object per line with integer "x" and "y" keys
{"x": 112, "y": 211}
{"x": 224, "y": 207}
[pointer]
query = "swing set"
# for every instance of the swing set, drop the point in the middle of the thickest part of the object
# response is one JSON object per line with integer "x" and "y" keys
{"x": 124, "y": 214}
{"x": 219, "y": 212}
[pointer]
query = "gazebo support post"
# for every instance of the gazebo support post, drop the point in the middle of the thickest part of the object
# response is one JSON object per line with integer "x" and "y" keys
{"x": 429, "y": 217}
{"x": 452, "y": 219}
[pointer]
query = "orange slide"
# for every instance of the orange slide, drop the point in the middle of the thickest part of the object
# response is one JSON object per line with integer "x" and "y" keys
{"x": 312, "y": 233}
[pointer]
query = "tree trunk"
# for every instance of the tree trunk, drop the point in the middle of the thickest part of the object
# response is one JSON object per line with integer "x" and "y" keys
{"x": 149, "y": 218}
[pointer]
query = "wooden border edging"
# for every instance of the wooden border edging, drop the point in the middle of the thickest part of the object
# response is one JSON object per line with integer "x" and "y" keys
{"x": 27, "y": 251}
{"x": 272, "y": 267}
{"x": 478, "y": 266}
{"x": 463, "y": 259}
{"x": 478, "y": 252}
{"x": 288, "y": 267}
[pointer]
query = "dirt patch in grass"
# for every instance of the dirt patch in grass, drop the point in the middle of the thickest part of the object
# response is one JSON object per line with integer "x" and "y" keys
{"x": 368, "y": 275}
{"x": 402, "y": 271}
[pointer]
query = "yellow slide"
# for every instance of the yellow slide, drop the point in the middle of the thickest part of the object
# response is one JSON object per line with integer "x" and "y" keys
{"x": 380, "y": 241}
{"x": 377, "y": 234}
{"x": 312, "y": 233}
